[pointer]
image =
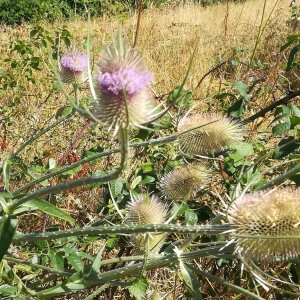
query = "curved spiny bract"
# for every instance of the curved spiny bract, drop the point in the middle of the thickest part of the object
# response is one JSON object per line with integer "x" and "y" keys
{"x": 201, "y": 134}
{"x": 184, "y": 182}
{"x": 266, "y": 225}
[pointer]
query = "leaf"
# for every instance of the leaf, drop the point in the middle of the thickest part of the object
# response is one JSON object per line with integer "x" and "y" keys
{"x": 147, "y": 179}
{"x": 49, "y": 209}
{"x": 3, "y": 203}
{"x": 7, "y": 230}
{"x": 6, "y": 173}
{"x": 282, "y": 128}
{"x": 135, "y": 182}
{"x": 287, "y": 149}
{"x": 94, "y": 270}
{"x": 190, "y": 280}
{"x": 244, "y": 149}
{"x": 56, "y": 259}
{"x": 296, "y": 110}
{"x": 73, "y": 258}
{"x": 138, "y": 290}
{"x": 116, "y": 186}
{"x": 237, "y": 109}
{"x": 242, "y": 88}
{"x": 63, "y": 111}
{"x": 191, "y": 217}
{"x": 291, "y": 57}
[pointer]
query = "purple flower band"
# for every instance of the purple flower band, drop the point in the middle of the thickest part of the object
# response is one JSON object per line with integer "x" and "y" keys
{"x": 74, "y": 62}
{"x": 126, "y": 80}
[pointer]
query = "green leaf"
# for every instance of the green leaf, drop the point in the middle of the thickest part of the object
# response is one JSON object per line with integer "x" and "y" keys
{"x": 6, "y": 173}
{"x": 282, "y": 128}
{"x": 138, "y": 290}
{"x": 244, "y": 149}
{"x": 49, "y": 209}
{"x": 287, "y": 149}
{"x": 56, "y": 259}
{"x": 190, "y": 280}
{"x": 147, "y": 179}
{"x": 242, "y": 88}
{"x": 135, "y": 182}
{"x": 73, "y": 258}
{"x": 7, "y": 230}
{"x": 296, "y": 110}
{"x": 191, "y": 217}
{"x": 237, "y": 109}
{"x": 94, "y": 270}
{"x": 63, "y": 111}
{"x": 291, "y": 57}
{"x": 116, "y": 186}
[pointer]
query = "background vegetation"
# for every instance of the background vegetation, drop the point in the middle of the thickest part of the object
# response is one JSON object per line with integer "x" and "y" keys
{"x": 247, "y": 58}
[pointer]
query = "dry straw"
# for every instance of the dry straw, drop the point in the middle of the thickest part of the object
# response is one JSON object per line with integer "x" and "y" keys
{"x": 201, "y": 134}
{"x": 266, "y": 225}
{"x": 184, "y": 182}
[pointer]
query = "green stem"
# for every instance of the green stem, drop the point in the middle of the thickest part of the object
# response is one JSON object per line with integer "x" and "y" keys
{"x": 28, "y": 263}
{"x": 123, "y": 229}
{"x": 132, "y": 270}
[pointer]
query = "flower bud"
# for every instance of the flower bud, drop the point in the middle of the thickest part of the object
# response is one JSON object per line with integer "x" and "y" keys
{"x": 184, "y": 182}
{"x": 73, "y": 66}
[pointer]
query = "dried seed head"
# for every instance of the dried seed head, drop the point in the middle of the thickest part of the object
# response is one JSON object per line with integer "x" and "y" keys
{"x": 213, "y": 132}
{"x": 123, "y": 87}
{"x": 185, "y": 182}
{"x": 146, "y": 209}
{"x": 266, "y": 226}
{"x": 73, "y": 66}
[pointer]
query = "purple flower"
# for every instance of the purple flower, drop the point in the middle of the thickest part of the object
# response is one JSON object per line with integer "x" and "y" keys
{"x": 123, "y": 87}
{"x": 124, "y": 82}
{"x": 73, "y": 66}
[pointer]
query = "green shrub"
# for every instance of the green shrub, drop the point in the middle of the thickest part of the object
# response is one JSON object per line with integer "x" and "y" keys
{"x": 18, "y": 11}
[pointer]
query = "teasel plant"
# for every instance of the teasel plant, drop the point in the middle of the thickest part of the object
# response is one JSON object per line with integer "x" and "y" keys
{"x": 257, "y": 227}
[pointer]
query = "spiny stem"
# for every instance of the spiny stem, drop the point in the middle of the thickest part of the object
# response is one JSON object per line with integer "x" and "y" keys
{"x": 132, "y": 270}
{"x": 123, "y": 229}
{"x": 28, "y": 263}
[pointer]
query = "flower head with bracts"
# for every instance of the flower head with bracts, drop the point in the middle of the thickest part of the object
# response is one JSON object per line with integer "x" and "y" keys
{"x": 123, "y": 87}
{"x": 266, "y": 229}
{"x": 73, "y": 66}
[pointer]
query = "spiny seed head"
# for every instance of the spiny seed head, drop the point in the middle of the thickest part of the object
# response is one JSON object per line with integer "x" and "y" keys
{"x": 200, "y": 134}
{"x": 266, "y": 225}
{"x": 123, "y": 87}
{"x": 184, "y": 182}
{"x": 146, "y": 209}
{"x": 73, "y": 66}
